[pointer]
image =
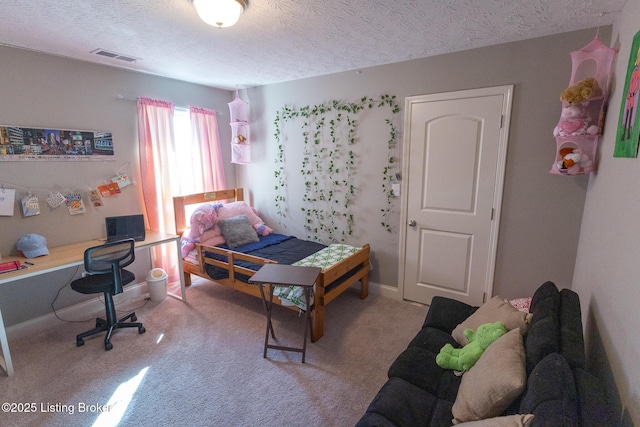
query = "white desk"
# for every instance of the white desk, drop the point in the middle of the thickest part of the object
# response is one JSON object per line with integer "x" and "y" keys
{"x": 67, "y": 256}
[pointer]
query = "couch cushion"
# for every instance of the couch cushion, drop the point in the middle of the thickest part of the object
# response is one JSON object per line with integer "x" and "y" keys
{"x": 494, "y": 382}
{"x": 446, "y": 313}
{"x": 551, "y": 393}
{"x": 519, "y": 420}
{"x": 372, "y": 419}
{"x": 571, "y": 338}
{"x": 418, "y": 367}
{"x": 543, "y": 336}
{"x": 546, "y": 289}
{"x": 432, "y": 339}
{"x": 403, "y": 404}
{"x": 496, "y": 309}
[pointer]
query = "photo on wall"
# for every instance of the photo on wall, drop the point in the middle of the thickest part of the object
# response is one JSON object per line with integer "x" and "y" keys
{"x": 628, "y": 130}
{"x": 22, "y": 143}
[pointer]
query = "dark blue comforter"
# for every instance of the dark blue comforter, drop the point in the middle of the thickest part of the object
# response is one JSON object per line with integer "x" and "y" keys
{"x": 277, "y": 247}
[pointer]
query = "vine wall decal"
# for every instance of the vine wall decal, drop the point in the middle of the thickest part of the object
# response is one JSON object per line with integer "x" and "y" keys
{"x": 329, "y": 164}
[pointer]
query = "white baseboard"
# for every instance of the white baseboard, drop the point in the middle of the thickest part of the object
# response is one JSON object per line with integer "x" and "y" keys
{"x": 83, "y": 310}
{"x": 384, "y": 290}
{"x": 389, "y": 292}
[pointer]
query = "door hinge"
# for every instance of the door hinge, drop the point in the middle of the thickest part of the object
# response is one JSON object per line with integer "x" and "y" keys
{"x": 501, "y": 121}
{"x": 493, "y": 213}
{"x": 484, "y": 297}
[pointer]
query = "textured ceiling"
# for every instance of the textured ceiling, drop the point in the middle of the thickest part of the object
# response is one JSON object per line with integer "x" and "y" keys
{"x": 281, "y": 40}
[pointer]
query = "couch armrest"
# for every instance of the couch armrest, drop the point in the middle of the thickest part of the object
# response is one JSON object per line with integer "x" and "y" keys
{"x": 594, "y": 406}
{"x": 571, "y": 337}
{"x": 446, "y": 313}
{"x": 550, "y": 394}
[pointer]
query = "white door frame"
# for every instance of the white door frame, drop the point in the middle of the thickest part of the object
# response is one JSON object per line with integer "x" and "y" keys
{"x": 507, "y": 92}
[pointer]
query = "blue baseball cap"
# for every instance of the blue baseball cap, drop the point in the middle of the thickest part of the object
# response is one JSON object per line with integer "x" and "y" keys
{"x": 33, "y": 245}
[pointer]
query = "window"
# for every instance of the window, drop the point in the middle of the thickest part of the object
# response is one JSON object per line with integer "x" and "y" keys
{"x": 182, "y": 182}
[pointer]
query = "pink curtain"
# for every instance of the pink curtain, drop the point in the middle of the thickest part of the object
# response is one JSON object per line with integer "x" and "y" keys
{"x": 207, "y": 168}
{"x": 163, "y": 177}
{"x": 157, "y": 162}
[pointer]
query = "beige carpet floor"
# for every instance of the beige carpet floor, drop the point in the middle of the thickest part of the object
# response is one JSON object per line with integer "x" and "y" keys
{"x": 201, "y": 364}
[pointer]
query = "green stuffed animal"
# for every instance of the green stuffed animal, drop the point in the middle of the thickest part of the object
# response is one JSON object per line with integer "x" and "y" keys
{"x": 462, "y": 359}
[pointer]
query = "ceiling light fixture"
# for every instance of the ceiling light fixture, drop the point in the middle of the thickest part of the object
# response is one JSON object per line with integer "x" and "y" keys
{"x": 220, "y": 13}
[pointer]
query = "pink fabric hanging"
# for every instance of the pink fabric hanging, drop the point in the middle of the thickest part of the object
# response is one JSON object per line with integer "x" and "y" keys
{"x": 156, "y": 147}
{"x": 207, "y": 168}
{"x": 239, "y": 122}
{"x": 584, "y": 105}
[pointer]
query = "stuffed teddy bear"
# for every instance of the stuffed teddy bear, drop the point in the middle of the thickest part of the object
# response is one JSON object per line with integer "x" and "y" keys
{"x": 572, "y": 162}
{"x": 580, "y": 91}
{"x": 462, "y": 359}
{"x": 572, "y": 123}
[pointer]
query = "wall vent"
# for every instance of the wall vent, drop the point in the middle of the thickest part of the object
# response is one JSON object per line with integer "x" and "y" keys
{"x": 115, "y": 55}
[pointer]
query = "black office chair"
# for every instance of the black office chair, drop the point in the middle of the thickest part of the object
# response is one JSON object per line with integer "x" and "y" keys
{"x": 106, "y": 263}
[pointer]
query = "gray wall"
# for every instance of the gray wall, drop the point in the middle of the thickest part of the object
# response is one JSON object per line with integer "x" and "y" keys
{"x": 541, "y": 212}
{"x": 607, "y": 271}
{"x": 46, "y": 91}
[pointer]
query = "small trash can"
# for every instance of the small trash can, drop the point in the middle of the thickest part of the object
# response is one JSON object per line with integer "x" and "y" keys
{"x": 157, "y": 282}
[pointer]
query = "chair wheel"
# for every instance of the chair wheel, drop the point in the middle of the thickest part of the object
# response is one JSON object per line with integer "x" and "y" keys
{"x": 108, "y": 346}
{"x": 80, "y": 342}
{"x": 141, "y": 330}
{"x": 134, "y": 318}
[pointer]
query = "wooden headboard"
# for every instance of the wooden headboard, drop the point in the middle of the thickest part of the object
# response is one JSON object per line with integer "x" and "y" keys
{"x": 180, "y": 202}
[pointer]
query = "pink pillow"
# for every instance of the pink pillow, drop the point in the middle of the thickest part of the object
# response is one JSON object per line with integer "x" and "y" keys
{"x": 521, "y": 304}
{"x": 233, "y": 209}
{"x": 204, "y": 223}
{"x": 212, "y": 237}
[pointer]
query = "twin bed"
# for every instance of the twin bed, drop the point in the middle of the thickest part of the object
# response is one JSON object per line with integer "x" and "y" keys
{"x": 217, "y": 260}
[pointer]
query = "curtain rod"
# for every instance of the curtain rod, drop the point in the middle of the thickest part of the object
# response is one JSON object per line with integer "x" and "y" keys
{"x": 130, "y": 98}
{"x": 126, "y": 98}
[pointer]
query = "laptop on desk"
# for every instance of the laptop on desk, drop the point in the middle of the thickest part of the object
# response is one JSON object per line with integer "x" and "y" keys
{"x": 125, "y": 227}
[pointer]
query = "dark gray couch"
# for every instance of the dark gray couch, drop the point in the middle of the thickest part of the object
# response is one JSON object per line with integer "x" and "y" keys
{"x": 559, "y": 391}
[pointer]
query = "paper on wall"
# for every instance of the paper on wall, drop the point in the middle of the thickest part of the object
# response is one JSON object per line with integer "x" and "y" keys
{"x": 95, "y": 198}
{"x": 55, "y": 199}
{"x": 7, "y": 201}
{"x": 75, "y": 204}
{"x": 110, "y": 189}
{"x": 30, "y": 206}
{"x": 122, "y": 179}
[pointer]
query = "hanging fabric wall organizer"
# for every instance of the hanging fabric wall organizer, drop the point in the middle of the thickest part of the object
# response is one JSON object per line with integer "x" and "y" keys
{"x": 583, "y": 110}
{"x": 239, "y": 121}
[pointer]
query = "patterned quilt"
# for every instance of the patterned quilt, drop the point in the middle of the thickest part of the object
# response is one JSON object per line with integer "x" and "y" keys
{"x": 324, "y": 258}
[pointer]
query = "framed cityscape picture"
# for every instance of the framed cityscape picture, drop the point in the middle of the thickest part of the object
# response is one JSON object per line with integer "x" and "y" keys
{"x": 27, "y": 143}
{"x": 628, "y": 130}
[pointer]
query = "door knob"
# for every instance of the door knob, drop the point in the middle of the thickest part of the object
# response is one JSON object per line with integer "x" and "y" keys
{"x": 412, "y": 223}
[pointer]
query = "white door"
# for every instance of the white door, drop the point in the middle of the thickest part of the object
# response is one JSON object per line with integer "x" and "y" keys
{"x": 455, "y": 152}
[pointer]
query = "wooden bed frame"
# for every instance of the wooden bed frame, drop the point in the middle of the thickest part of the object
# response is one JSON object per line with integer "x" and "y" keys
{"x": 322, "y": 296}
